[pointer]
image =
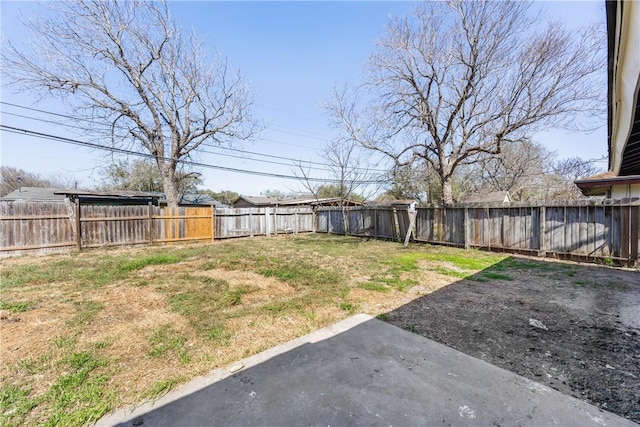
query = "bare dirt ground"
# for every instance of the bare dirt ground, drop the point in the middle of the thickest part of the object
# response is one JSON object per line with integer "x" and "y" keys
{"x": 575, "y": 329}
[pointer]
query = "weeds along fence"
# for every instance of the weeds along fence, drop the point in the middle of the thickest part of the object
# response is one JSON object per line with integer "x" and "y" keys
{"x": 605, "y": 231}
{"x": 43, "y": 227}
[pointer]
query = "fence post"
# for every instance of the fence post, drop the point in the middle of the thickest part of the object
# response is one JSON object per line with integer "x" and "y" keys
{"x": 542, "y": 220}
{"x": 375, "y": 222}
{"x": 213, "y": 223}
{"x": 275, "y": 221}
{"x": 314, "y": 219}
{"x": 267, "y": 219}
{"x": 78, "y": 228}
{"x": 467, "y": 237}
{"x": 396, "y": 225}
{"x": 150, "y": 228}
{"x": 412, "y": 221}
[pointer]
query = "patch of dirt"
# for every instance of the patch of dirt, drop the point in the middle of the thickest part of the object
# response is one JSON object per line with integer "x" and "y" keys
{"x": 30, "y": 334}
{"x": 261, "y": 289}
{"x": 586, "y": 344}
{"x": 429, "y": 265}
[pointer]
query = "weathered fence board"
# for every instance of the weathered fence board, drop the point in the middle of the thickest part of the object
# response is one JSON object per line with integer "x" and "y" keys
{"x": 593, "y": 230}
{"x": 245, "y": 222}
{"x": 585, "y": 230}
{"x": 43, "y": 226}
{"x": 39, "y": 226}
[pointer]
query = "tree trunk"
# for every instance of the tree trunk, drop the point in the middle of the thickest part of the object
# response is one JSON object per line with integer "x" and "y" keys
{"x": 345, "y": 220}
{"x": 447, "y": 192}
{"x": 170, "y": 186}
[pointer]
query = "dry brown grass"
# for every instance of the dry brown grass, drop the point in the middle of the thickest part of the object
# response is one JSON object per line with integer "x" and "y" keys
{"x": 277, "y": 288}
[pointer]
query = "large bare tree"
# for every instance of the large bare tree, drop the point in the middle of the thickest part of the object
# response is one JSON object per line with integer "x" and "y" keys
{"x": 130, "y": 66}
{"x": 458, "y": 80}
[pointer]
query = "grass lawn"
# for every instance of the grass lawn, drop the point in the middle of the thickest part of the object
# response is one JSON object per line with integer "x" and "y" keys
{"x": 86, "y": 333}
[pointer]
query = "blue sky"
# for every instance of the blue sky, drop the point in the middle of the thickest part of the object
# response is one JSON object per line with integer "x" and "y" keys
{"x": 293, "y": 54}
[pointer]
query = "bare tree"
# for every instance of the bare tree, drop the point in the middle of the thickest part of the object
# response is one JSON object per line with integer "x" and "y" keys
{"x": 519, "y": 168}
{"x": 129, "y": 65}
{"x": 559, "y": 184}
{"x": 353, "y": 178}
{"x": 12, "y": 178}
{"x": 414, "y": 181}
{"x": 529, "y": 171}
{"x": 458, "y": 79}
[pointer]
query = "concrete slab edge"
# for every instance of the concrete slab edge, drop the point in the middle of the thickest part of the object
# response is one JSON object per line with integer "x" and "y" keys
{"x": 127, "y": 414}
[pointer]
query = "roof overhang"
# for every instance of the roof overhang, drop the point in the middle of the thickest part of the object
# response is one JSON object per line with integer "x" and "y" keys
{"x": 600, "y": 186}
{"x": 623, "y": 29}
{"x": 104, "y": 196}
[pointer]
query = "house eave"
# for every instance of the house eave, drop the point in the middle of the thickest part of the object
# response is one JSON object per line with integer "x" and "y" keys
{"x": 608, "y": 182}
{"x": 600, "y": 186}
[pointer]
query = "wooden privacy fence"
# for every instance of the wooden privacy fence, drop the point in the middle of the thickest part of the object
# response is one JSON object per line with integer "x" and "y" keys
{"x": 51, "y": 226}
{"x": 43, "y": 226}
{"x": 380, "y": 222}
{"x": 102, "y": 226}
{"x": 592, "y": 230}
{"x": 245, "y": 222}
{"x": 584, "y": 230}
{"x": 55, "y": 226}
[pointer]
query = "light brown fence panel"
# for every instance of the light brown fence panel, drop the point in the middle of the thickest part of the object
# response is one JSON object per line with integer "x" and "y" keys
{"x": 198, "y": 223}
{"x": 184, "y": 224}
{"x": 39, "y": 227}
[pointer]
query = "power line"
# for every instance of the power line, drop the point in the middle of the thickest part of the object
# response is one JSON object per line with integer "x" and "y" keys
{"x": 42, "y": 135}
{"x": 204, "y": 151}
{"x": 258, "y": 160}
{"x": 42, "y": 120}
{"x": 66, "y": 116}
{"x": 294, "y": 162}
{"x": 208, "y": 145}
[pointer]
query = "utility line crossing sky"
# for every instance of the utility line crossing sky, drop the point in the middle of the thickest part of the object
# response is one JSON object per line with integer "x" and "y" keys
{"x": 292, "y": 53}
